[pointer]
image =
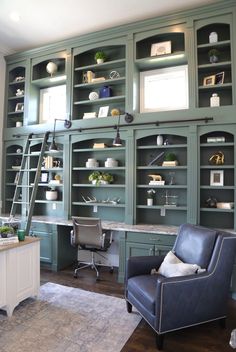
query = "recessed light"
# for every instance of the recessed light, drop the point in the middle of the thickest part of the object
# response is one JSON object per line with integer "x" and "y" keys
{"x": 14, "y": 16}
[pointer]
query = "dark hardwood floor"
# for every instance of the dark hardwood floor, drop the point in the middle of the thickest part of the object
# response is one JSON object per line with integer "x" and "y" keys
{"x": 205, "y": 338}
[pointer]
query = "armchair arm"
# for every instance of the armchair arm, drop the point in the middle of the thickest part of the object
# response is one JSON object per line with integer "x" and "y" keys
{"x": 72, "y": 238}
{"x": 187, "y": 300}
{"x": 142, "y": 265}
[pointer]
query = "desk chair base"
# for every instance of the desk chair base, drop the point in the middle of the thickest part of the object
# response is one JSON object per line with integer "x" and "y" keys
{"x": 92, "y": 265}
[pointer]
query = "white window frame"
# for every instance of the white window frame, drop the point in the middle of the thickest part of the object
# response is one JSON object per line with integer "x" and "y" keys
{"x": 166, "y": 83}
{"x": 52, "y": 103}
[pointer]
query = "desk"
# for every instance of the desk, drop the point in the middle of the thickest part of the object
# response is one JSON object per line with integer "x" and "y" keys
{"x": 19, "y": 273}
{"x": 57, "y": 252}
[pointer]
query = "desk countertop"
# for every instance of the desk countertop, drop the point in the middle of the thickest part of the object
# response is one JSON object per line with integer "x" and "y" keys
{"x": 108, "y": 225}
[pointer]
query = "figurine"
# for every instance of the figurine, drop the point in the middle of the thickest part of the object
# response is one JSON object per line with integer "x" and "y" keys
{"x": 217, "y": 159}
{"x": 211, "y": 202}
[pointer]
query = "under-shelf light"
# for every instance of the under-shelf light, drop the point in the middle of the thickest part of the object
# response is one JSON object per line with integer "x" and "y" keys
{"x": 169, "y": 57}
{"x": 57, "y": 79}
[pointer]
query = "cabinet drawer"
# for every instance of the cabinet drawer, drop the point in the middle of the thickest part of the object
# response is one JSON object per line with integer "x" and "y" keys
{"x": 152, "y": 238}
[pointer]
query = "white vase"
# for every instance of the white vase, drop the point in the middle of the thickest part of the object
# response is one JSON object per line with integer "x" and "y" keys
{"x": 159, "y": 139}
{"x": 149, "y": 202}
{"x": 51, "y": 195}
{"x": 100, "y": 61}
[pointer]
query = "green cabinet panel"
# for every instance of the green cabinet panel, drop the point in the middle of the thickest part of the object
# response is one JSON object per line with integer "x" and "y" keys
{"x": 139, "y": 249}
{"x": 45, "y": 246}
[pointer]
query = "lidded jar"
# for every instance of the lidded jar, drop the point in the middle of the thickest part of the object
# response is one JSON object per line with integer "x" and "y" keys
{"x": 214, "y": 100}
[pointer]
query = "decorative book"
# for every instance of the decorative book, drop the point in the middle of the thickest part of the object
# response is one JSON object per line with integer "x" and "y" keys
{"x": 170, "y": 163}
{"x": 99, "y": 145}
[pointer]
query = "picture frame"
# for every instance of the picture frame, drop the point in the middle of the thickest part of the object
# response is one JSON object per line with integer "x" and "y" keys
{"x": 217, "y": 178}
{"x": 219, "y": 78}
{"x": 44, "y": 177}
{"x": 19, "y": 107}
{"x": 103, "y": 111}
{"x": 209, "y": 80}
{"x": 161, "y": 48}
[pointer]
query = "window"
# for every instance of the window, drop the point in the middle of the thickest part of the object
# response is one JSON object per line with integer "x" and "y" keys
{"x": 52, "y": 103}
{"x": 164, "y": 89}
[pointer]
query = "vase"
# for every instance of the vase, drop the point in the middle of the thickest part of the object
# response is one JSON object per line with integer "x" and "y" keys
{"x": 51, "y": 195}
{"x": 159, "y": 139}
{"x": 100, "y": 61}
{"x": 105, "y": 92}
{"x": 149, "y": 201}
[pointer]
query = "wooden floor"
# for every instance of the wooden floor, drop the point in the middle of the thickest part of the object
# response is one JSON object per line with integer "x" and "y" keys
{"x": 205, "y": 338}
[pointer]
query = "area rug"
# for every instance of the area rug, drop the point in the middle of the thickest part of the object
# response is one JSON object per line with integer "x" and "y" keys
{"x": 66, "y": 319}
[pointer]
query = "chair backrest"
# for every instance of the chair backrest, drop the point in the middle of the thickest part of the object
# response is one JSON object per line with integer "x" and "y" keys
{"x": 88, "y": 232}
{"x": 195, "y": 244}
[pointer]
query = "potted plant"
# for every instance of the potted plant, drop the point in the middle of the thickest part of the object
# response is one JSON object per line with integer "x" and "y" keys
{"x": 150, "y": 196}
{"x": 98, "y": 178}
{"x": 170, "y": 159}
{"x": 6, "y": 231}
{"x": 213, "y": 55}
{"x": 100, "y": 57}
{"x": 51, "y": 194}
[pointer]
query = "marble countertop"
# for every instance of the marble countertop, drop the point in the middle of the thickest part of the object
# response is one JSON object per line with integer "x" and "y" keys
{"x": 107, "y": 225}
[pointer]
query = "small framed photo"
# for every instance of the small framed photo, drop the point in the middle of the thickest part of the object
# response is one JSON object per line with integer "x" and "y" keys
{"x": 217, "y": 178}
{"x": 103, "y": 111}
{"x": 219, "y": 78}
{"x": 44, "y": 177}
{"x": 19, "y": 107}
{"x": 209, "y": 80}
{"x": 161, "y": 48}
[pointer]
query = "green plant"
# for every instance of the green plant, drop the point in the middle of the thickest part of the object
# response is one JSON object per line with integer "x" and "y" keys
{"x": 100, "y": 55}
{"x": 98, "y": 177}
{"x": 213, "y": 52}
{"x": 170, "y": 157}
{"x": 5, "y": 230}
{"x": 151, "y": 193}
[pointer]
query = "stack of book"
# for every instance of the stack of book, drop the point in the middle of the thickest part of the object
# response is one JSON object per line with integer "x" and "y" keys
{"x": 99, "y": 145}
{"x": 157, "y": 183}
{"x": 8, "y": 240}
{"x": 170, "y": 163}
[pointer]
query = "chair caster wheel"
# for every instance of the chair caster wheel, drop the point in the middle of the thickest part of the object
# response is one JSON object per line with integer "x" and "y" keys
{"x": 111, "y": 271}
{"x": 75, "y": 276}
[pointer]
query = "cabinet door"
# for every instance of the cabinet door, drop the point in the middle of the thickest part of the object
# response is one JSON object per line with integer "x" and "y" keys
{"x": 162, "y": 250}
{"x": 45, "y": 245}
{"x": 3, "y": 279}
{"x": 139, "y": 249}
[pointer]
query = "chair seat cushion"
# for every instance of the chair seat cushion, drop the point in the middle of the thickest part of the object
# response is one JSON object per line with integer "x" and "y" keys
{"x": 173, "y": 266}
{"x": 143, "y": 289}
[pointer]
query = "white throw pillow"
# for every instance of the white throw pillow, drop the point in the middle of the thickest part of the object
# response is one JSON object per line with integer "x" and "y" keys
{"x": 173, "y": 266}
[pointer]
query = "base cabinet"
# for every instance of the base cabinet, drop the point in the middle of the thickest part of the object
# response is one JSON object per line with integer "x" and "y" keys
{"x": 143, "y": 244}
{"x": 20, "y": 273}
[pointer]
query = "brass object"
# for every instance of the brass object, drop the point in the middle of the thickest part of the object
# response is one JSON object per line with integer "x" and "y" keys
{"x": 217, "y": 159}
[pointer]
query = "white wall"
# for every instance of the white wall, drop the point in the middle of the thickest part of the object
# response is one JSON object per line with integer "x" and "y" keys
{"x": 2, "y": 93}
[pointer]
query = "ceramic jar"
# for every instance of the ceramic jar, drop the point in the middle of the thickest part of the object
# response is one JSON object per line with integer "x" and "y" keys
{"x": 92, "y": 163}
{"x": 159, "y": 139}
{"x": 105, "y": 92}
{"x": 51, "y": 195}
{"x": 110, "y": 162}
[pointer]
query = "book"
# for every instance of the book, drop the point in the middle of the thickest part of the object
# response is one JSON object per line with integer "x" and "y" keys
{"x": 9, "y": 240}
{"x": 170, "y": 163}
{"x": 157, "y": 183}
{"x": 215, "y": 139}
{"x": 99, "y": 145}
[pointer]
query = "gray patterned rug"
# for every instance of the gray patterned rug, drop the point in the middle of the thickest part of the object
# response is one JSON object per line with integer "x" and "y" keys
{"x": 66, "y": 319}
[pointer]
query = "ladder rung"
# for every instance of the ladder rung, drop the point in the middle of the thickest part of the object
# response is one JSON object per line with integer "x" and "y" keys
{"x": 17, "y": 202}
{"x": 24, "y": 186}
{"x": 36, "y": 139}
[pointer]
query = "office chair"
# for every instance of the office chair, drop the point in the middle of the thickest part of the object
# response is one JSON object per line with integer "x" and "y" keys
{"x": 87, "y": 234}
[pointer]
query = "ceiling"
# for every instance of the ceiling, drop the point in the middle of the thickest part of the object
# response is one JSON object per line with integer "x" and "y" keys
{"x": 42, "y": 22}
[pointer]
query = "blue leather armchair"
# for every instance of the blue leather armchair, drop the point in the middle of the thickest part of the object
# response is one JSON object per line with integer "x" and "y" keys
{"x": 168, "y": 304}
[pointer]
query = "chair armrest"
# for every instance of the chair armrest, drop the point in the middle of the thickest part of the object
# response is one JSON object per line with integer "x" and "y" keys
{"x": 177, "y": 297}
{"x": 142, "y": 265}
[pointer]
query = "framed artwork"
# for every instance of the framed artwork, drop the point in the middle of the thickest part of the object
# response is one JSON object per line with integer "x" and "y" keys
{"x": 44, "y": 177}
{"x": 217, "y": 178}
{"x": 19, "y": 107}
{"x": 161, "y": 48}
{"x": 209, "y": 80}
{"x": 103, "y": 111}
{"x": 219, "y": 78}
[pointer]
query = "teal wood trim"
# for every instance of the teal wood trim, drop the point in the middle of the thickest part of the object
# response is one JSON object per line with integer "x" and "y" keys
{"x": 122, "y": 256}
{"x": 129, "y": 75}
{"x": 177, "y": 27}
{"x": 192, "y": 175}
{"x": 100, "y": 43}
{"x": 130, "y": 176}
{"x": 233, "y": 54}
